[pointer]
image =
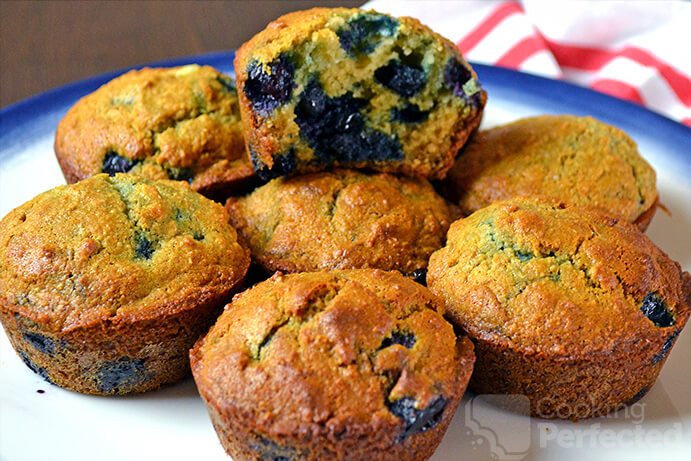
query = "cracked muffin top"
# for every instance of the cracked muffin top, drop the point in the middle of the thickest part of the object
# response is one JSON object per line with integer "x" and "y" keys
{"x": 342, "y": 220}
{"x": 341, "y": 353}
{"x": 577, "y": 160}
{"x": 354, "y": 89}
{"x": 179, "y": 123}
{"x": 565, "y": 280}
{"x": 113, "y": 249}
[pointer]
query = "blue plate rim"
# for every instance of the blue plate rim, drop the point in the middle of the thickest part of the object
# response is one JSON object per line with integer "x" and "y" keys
{"x": 553, "y": 96}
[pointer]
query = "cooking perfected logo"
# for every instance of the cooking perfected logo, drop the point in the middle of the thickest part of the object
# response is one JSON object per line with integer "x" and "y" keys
{"x": 503, "y": 421}
{"x": 499, "y": 427}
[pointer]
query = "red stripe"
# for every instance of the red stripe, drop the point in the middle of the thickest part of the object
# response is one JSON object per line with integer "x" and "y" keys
{"x": 618, "y": 89}
{"x": 593, "y": 59}
{"x": 500, "y": 13}
{"x": 521, "y": 51}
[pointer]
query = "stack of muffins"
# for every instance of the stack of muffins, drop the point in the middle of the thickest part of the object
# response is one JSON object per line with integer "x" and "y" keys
{"x": 340, "y": 118}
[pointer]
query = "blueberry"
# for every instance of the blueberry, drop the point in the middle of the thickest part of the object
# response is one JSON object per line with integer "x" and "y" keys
{"x": 417, "y": 420}
{"x": 639, "y": 395}
{"x": 42, "y": 372}
{"x": 364, "y": 32}
{"x": 460, "y": 81}
{"x": 143, "y": 247}
{"x": 227, "y": 83}
{"x": 41, "y": 343}
{"x": 283, "y": 165}
{"x": 268, "y": 90}
{"x": 271, "y": 451}
{"x": 22, "y": 299}
{"x": 180, "y": 174}
{"x": 455, "y": 76}
{"x": 654, "y": 308}
{"x": 420, "y": 276}
{"x": 121, "y": 375}
{"x": 411, "y": 113}
{"x": 114, "y": 163}
{"x": 669, "y": 342}
{"x": 400, "y": 78}
{"x": 403, "y": 338}
{"x": 335, "y": 129}
{"x": 198, "y": 236}
{"x": 523, "y": 256}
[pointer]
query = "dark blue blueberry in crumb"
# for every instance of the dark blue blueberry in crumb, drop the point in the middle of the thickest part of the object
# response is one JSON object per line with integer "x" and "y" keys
{"x": 420, "y": 276}
{"x": 669, "y": 342}
{"x": 114, "y": 163}
{"x": 523, "y": 256}
{"x": 335, "y": 129}
{"x": 639, "y": 395}
{"x": 271, "y": 451}
{"x": 41, "y": 343}
{"x": 180, "y": 174}
{"x": 121, "y": 374}
{"x": 22, "y": 299}
{"x": 654, "y": 308}
{"x": 411, "y": 113}
{"x": 40, "y": 391}
{"x": 417, "y": 420}
{"x": 401, "y": 78}
{"x": 143, "y": 247}
{"x": 363, "y": 33}
{"x": 403, "y": 338}
{"x": 227, "y": 83}
{"x": 455, "y": 76}
{"x": 270, "y": 90}
{"x": 35, "y": 368}
{"x": 283, "y": 165}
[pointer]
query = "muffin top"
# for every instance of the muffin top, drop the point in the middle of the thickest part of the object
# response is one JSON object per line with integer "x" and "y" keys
{"x": 340, "y": 220}
{"x": 112, "y": 249}
{"x": 324, "y": 352}
{"x": 565, "y": 280}
{"x": 180, "y": 123}
{"x": 577, "y": 160}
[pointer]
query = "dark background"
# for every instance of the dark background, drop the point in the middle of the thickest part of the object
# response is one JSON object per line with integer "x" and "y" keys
{"x": 48, "y": 43}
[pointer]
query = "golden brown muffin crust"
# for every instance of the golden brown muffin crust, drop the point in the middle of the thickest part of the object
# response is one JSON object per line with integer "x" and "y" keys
{"x": 578, "y": 160}
{"x": 304, "y": 359}
{"x": 342, "y": 219}
{"x": 553, "y": 278}
{"x": 574, "y": 309}
{"x": 177, "y": 123}
{"x": 77, "y": 254}
{"x": 106, "y": 284}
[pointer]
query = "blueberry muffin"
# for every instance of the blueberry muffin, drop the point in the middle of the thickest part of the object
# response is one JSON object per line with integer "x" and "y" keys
{"x": 179, "y": 123}
{"x": 357, "y": 89}
{"x": 342, "y": 220}
{"x": 566, "y": 305}
{"x": 356, "y": 364}
{"x": 577, "y": 160}
{"x": 107, "y": 283}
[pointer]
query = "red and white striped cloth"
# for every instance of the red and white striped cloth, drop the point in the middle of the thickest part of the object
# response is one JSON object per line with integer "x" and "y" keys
{"x": 637, "y": 50}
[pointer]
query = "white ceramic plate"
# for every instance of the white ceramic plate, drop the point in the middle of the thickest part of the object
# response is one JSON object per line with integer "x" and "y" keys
{"x": 39, "y": 421}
